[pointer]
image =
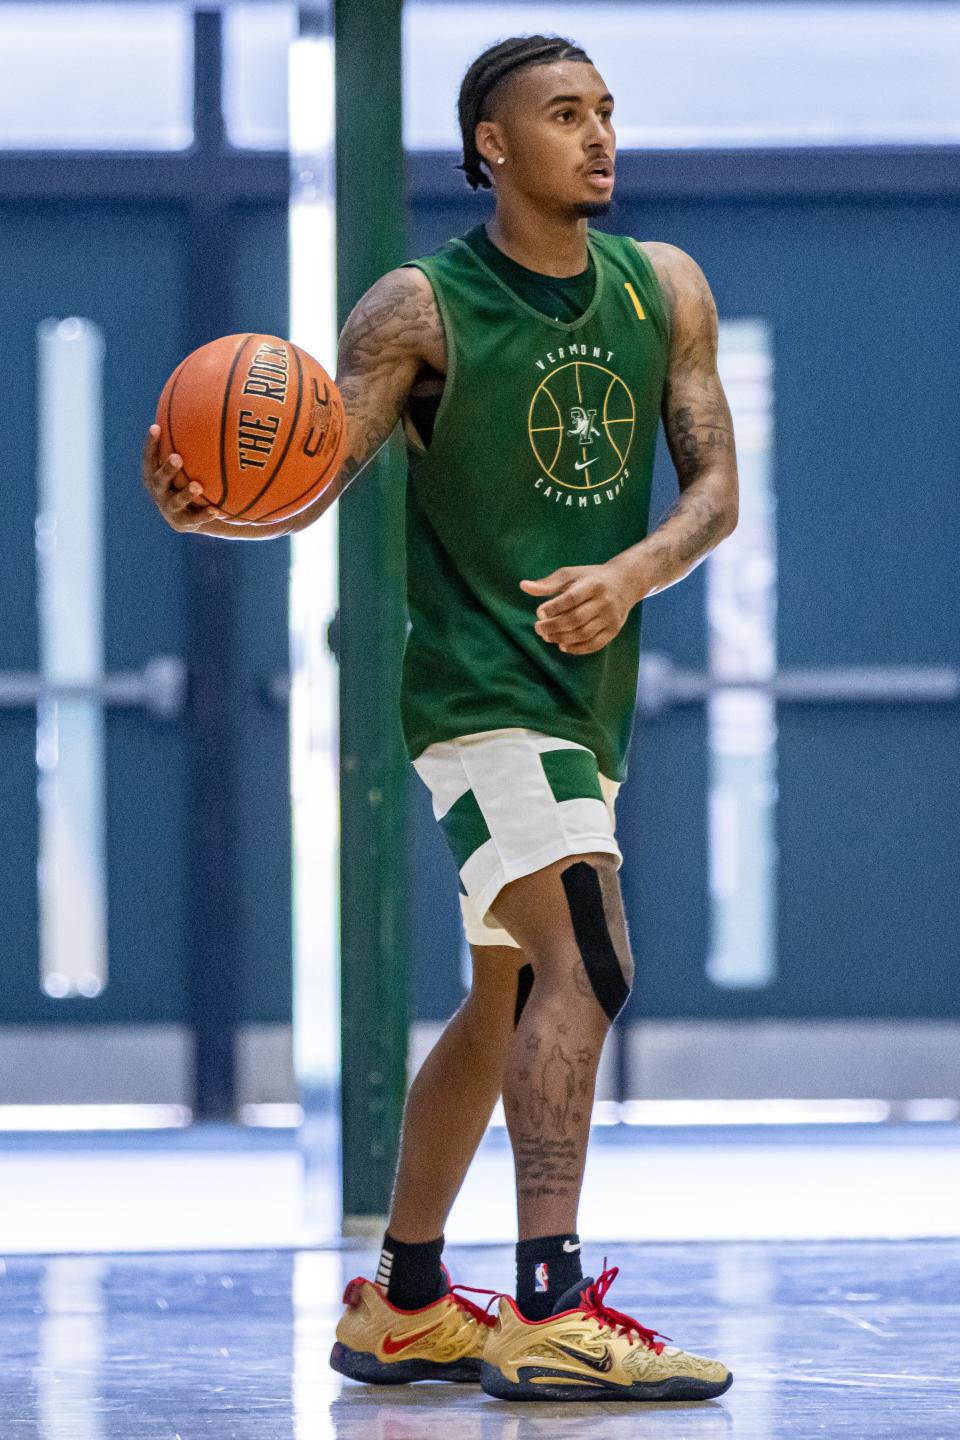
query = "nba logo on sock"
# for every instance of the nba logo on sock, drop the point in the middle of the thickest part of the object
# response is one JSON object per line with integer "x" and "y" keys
{"x": 541, "y": 1278}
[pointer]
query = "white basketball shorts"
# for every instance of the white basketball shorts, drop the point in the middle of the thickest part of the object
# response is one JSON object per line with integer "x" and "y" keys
{"x": 510, "y": 802}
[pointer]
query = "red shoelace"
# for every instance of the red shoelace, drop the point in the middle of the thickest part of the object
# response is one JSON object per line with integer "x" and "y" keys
{"x": 483, "y": 1316}
{"x": 592, "y": 1304}
{"x": 354, "y": 1290}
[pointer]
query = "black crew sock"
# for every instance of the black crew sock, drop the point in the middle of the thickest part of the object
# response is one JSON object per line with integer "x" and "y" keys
{"x": 411, "y": 1274}
{"x": 546, "y": 1267}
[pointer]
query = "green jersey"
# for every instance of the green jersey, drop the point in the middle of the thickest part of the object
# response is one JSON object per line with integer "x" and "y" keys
{"x": 541, "y": 456}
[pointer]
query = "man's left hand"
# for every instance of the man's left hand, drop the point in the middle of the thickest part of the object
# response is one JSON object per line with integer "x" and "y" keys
{"x": 589, "y": 606}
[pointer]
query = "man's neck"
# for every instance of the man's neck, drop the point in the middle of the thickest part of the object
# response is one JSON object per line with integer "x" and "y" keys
{"x": 550, "y": 245}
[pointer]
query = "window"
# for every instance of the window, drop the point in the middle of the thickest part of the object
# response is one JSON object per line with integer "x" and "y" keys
{"x": 741, "y": 594}
{"x": 703, "y": 75}
{"x": 70, "y": 730}
{"x": 256, "y": 45}
{"x": 96, "y": 77}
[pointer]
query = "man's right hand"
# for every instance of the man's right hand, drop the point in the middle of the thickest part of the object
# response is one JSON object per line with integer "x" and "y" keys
{"x": 181, "y": 502}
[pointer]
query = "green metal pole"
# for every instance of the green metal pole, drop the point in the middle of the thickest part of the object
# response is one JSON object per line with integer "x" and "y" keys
{"x": 373, "y": 765}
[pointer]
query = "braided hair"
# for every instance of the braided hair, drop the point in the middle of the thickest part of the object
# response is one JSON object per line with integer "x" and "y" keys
{"x": 483, "y": 77}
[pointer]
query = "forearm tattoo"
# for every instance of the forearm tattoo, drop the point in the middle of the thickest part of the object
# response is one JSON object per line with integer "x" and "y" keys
{"x": 696, "y": 416}
{"x": 705, "y": 521}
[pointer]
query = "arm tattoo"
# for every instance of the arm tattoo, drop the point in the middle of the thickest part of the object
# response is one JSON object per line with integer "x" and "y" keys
{"x": 381, "y": 349}
{"x": 695, "y": 412}
{"x": 705, "y": 519}
{"x": 696, "y": 416}
{"x": 697, "y": 422}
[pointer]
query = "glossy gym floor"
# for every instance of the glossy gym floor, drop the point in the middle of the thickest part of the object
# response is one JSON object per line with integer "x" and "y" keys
{"x": 851, "y": 1339}
{"x": 854, "y": 1340}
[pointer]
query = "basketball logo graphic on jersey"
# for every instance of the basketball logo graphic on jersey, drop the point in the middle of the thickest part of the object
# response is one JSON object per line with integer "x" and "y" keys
{"x": 580, "y": 423}
{"x": 541, "y": 1278}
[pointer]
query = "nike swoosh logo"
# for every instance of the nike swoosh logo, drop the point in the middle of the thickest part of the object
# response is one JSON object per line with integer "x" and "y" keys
{"x": 582, "y": 464}
{"x": 602, "y": 1362}
{"x": 571, "y": 1249}
{"x": 393, "y": 1347}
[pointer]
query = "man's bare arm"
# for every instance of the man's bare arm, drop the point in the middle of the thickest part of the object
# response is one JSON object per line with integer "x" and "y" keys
{"x": 698, "y": 428}
{"x": 383, "y": 344}
{"x": 391, "y": 333}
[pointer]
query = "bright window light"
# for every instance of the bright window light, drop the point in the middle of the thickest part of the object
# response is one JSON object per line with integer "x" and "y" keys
{"x": 40, "y": 1118}
{"x": 741, "y": 595}
{"x": 71, "y": 744}
{"x": 256, "y": 53}
{"x": 314, "y": 691}
{"x": 702, "y": 75}
{"x": 96, "y": 76}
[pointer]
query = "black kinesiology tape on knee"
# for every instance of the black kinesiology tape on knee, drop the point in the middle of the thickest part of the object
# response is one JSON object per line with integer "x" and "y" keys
{"x": 585, "y": 899}
{"x": 524, "y": 986}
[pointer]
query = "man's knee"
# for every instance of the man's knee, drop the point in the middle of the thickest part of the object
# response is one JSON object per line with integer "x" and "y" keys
{"x": 572, "y": 905}
{"x": 593, "y": 899}
{"x": 502, "y": 978}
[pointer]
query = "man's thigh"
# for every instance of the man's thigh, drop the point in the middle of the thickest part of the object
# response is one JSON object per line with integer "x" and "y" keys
{"x": 512, "y": 804}
{"x": 558, "y": 911}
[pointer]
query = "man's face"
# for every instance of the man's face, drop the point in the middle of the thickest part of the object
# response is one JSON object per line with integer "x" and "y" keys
{"x": 557, "y": 126}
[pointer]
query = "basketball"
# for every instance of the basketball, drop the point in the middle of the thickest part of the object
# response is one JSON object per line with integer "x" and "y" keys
{"x": 258, "y": 423}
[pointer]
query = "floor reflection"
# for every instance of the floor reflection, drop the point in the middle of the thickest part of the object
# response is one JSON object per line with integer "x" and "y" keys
{"x": 843, "y": 1339}
{"x": 464, "y": 1416}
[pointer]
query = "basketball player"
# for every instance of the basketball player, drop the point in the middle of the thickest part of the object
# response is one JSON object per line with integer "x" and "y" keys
{"x": 529, "y": 362}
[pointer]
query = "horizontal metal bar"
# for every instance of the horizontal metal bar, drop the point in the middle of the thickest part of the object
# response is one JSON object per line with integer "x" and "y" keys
{"x": 159, "y": 688}
{"x": 662, "y": 684}
{"x": 910, "y": 683}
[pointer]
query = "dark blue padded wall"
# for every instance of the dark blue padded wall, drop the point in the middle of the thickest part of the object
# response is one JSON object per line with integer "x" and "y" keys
{"x": 87, "y": 261}
{"x": 123, "y": 266}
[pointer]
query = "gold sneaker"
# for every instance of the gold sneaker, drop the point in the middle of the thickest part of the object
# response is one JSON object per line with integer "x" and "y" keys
{"x": 586, "y": 1351}
{"x": 382, "y": 1345}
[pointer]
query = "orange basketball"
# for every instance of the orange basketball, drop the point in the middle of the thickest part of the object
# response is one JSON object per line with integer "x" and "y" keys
{"x": 257, "y": 422}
